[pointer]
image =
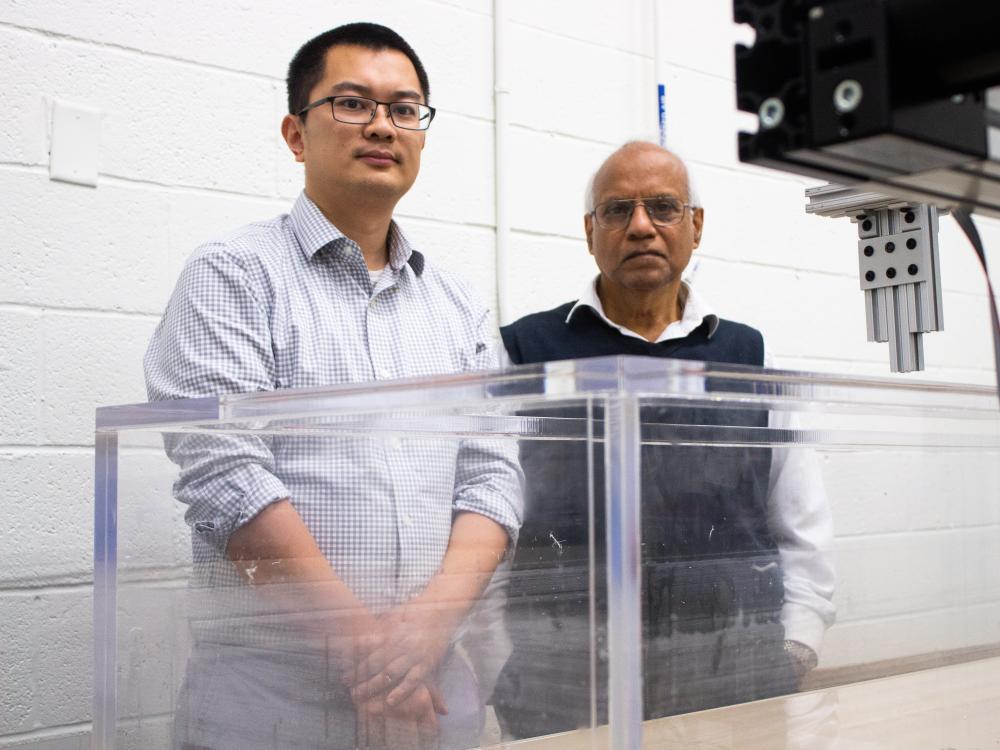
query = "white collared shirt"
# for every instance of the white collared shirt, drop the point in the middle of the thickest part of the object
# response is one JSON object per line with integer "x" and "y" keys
{"x": 695, "y": 311}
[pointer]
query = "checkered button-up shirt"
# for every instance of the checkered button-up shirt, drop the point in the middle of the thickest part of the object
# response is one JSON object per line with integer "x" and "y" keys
{"x": 289, "y": 303}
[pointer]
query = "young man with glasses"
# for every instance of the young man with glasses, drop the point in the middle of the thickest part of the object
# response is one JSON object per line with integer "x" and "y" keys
{"x": 737, "y": 571}
{"x": 371, "y": 555}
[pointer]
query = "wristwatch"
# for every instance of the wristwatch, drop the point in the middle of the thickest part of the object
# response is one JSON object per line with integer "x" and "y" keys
{"x": 803, "y": 658}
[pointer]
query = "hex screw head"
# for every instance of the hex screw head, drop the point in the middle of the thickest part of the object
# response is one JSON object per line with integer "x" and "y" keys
{"x": 908, "y": 217}
{"x": 913, "y": 270}
{"x": 869, "y": 251}
{"x": 911, "y": 243}
{"x": 891, "y": 273}
{"x": 870, "y": 276}
{"x": 867, "y": 225}
{"x": 771, "y": 112}
{"x": 847, "y": 96}
{"x": 890, "y": 247}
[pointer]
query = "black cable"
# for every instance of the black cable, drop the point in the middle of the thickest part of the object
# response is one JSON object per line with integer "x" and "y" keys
{"x": 964, "y": 218}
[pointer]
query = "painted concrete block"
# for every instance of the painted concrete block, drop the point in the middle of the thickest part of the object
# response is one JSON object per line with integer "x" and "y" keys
{"x": 563, "y": 86}
{"x": 699, "y": 37}
{"x": 916, "y": 572}
{"x": 23, "y": 348}
{"x": 48, "y": 634}
{"x": 49, "y": 503}
{"x": 550, "y": 180}
{"x": 759, "y": 217}
{"x": 107, "y": 246}
{"x": 86, "y": 361}
{"x": 625, "y": 27}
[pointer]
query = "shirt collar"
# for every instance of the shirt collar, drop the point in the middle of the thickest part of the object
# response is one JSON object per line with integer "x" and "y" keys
{"x": 696, "y": 311}
{"x": 315, "y": 233}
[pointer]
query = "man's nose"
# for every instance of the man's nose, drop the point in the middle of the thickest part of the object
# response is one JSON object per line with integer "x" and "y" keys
{"x": 640, "y": 225}
{"x": 381, "y": 124}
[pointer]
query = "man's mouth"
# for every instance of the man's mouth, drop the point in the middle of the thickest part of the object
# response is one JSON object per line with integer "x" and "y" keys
{"x": 643, "y": 254}
{"x": 378, "y": 158}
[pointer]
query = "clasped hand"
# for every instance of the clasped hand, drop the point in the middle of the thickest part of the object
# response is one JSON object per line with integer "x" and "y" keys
{"x": 393, "y": 681}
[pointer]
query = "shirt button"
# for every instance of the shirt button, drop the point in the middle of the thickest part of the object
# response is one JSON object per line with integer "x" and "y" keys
{"x": 408, "y": 519}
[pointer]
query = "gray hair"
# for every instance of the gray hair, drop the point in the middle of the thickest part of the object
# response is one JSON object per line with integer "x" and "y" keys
{"x": 693, "y": 197}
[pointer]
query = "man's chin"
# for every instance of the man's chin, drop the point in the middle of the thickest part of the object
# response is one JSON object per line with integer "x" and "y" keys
{"x": 384, "y": 186}
{"x": 648, "y": 280}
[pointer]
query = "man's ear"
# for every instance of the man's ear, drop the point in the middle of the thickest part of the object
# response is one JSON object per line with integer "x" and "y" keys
{"x": 588, "y": 227}
{"x": 698, "y": 218}
{"x": 293, "y": 131}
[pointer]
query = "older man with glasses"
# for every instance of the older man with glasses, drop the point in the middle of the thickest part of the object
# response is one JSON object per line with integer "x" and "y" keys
{"x": 737, "y": 573}
{"x": 363, "y": 560}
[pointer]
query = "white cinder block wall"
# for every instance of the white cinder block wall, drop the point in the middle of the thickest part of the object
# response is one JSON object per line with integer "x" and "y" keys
{"x": 191, "y": 94}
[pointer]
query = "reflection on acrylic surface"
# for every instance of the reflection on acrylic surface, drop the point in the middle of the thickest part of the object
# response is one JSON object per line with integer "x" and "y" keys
{"x": 736, "y": 573}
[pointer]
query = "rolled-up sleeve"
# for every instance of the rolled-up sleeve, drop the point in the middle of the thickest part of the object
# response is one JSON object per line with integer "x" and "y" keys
{"x": 488, "y": 481}
{"x": 488, "y": 476}
{"x": 214, "y": 338}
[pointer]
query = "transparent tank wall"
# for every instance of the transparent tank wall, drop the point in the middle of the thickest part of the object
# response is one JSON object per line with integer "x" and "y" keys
{"x": 737, "y": 510}
{"x": 221, "y": 654}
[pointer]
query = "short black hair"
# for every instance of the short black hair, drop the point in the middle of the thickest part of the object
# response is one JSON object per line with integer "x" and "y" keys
{"x": 306, "y": 68}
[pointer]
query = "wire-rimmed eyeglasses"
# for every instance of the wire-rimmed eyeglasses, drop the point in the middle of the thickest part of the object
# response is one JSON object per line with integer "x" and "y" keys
{"x": 360, "y": 110}
{"x": 661, "y": 210}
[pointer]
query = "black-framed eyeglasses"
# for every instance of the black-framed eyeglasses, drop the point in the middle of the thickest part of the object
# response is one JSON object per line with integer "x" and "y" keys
{"x": 661, "y": 210}
{"x": 360, "y": 110}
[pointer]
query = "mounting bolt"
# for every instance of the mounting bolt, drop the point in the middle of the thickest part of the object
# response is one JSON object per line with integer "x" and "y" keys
{"x": 912, "y": 269}
{"x": 772, "y": 112}
{"x": 847, "y": 96}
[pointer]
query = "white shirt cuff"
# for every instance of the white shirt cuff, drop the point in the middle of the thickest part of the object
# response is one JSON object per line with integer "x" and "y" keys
{"x": 803, "y": 625}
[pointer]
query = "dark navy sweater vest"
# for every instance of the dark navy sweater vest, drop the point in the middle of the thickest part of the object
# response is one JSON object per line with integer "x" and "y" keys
{"x": 545, "y": 337}
{"x": 708, "y": 554}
